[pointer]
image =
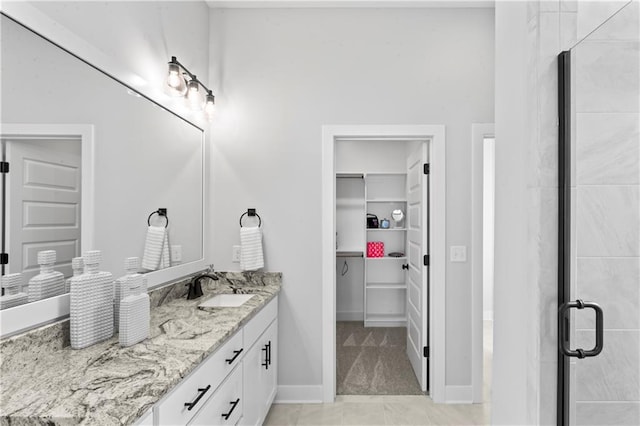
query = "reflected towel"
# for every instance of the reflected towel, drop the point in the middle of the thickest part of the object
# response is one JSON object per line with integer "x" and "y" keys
{"x": 156, "y": 249}
{"x": 251, "y": 257}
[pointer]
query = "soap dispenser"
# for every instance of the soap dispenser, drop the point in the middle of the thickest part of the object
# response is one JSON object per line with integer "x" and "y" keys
{"x": 12, "y": 284}
{"x": 134, "y": 310}
{"x": 48, "y": 282}
{"x": 91, "y": 303}
{"x": 77, "y": 264}
{"x": 131, "y": 267}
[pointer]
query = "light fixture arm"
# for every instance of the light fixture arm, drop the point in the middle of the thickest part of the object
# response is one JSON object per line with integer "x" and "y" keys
{"x": 192, "y": 77}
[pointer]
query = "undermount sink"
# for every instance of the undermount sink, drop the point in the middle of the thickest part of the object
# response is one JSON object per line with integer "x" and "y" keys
{"x": 226, "y": 301}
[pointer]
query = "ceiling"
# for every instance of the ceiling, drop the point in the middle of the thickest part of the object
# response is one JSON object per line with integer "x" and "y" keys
{"x": 350, "y": 3}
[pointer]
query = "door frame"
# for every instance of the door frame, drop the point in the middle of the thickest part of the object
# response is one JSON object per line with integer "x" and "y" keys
{"x": 435, "y": 134}
{"x": 478, "y": 133}
{"x": 34, "y": 314}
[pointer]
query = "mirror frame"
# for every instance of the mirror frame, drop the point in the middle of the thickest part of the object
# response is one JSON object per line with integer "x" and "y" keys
{"x": 31, "y": 315}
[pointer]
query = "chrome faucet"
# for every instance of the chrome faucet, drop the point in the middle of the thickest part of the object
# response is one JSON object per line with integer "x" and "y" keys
{"x": 195, "y": 287}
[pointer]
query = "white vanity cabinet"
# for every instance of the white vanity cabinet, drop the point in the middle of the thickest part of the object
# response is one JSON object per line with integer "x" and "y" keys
{"x": 260, "y": 367}
{"x": 232, "y": 386}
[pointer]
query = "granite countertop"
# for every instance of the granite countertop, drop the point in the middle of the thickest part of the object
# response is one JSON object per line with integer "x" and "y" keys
{"x": 107, "y": 384}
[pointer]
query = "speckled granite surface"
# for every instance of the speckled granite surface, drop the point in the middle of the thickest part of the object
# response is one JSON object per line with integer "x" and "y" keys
{"x": 44, "y": 381}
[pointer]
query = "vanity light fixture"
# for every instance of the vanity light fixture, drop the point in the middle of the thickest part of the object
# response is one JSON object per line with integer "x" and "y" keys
{"x": 183, "y": 83}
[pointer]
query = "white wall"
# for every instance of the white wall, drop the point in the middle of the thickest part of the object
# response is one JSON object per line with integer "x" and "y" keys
{"x": 287, "y": 72}
{"x": 512, "y": 329}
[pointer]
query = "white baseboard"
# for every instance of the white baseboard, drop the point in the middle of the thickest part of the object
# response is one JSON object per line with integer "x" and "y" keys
{"x": 299, "y": 395}
{"x": 349, "y": 316}
{"x": 458, "y": 394}
{"x": 488, "y": 316}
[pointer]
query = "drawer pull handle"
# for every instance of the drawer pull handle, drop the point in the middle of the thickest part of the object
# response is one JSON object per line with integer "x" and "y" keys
{"x": 267, "y": 355}
{"x": 202, "y": 391}
{"x": 236, "y": 355}
{"x": 234, "y": 404}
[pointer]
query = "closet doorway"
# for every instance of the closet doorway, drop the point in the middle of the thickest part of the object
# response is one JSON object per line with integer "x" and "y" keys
{"x": 379, "y": 323}
{"x": 382, "y": 262}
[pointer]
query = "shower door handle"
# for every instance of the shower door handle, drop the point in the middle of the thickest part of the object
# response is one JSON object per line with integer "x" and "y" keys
{"x": 563, "y": 326}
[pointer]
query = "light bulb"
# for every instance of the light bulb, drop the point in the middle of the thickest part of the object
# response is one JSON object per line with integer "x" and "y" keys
{"x": 175, "y": 82}
{"x": 209, "y": 105}
{"x": 193, "y": 95}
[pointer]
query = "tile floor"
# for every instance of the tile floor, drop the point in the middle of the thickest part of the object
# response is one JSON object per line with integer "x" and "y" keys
{"x": 389, "y": 410}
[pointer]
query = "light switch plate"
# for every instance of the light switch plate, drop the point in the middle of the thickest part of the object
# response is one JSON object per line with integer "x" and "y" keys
{"x": 235, "y": 254}
{"x": 176, "y": 253}
{"x": 458, "y": 253}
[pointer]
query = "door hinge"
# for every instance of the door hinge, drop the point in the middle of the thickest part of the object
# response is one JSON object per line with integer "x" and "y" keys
{"x": 425, "y": 351}
{"x": 4, "y": 258}
{"x": 426, "y": 168}
{"x": 425, "y": 260}
{"x": 4, "y": 167}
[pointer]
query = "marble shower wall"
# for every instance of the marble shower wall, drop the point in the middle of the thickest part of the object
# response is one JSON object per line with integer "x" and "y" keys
{"x": 607, "y": 174}
{"x": 606, "y": 188}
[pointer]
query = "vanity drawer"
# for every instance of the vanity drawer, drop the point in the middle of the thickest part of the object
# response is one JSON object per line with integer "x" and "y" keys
{"x": 258, "y": 324}
{"x": 225, "y": 406}
{"x": 198, "y": 387}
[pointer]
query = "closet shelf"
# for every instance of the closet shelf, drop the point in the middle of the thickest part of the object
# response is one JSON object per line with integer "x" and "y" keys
{"x": 387, "y": 258}
{"x": 349, "y": 253}
{"x": 386, "y": 229}
{"x": 386, "y": 286}
{"x": 386, "y": 200}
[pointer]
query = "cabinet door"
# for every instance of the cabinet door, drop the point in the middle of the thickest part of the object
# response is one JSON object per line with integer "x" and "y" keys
{"x": 260, "y": 376}
{"x": 270, "y": 374}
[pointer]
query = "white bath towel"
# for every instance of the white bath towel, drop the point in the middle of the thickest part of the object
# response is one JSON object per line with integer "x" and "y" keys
{"x": 156, "y": 249}
{"x": 251, "y": 257}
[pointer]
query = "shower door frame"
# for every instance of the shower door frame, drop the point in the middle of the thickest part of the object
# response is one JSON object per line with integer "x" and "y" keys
{"x": 564, "y": 224}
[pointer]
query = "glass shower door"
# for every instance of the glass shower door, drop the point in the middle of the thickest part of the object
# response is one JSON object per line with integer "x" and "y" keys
{"x": 599, "y": 244}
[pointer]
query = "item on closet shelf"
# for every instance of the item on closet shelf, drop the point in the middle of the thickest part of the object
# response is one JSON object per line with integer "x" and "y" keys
{"x": 47, "y": 283}
{"x": 396, "y": 254}
{"x": 134, "y": 308}
{"x": 91, "y": 303}
{"x": 156, "y": 249}
{"x": 398, "y": 218}
{"x": 384, "y": 223}
{"x": 251, "y": 256}
{"x": 372, "y": 220}
{"x": 131, "y": 267}
{"x": 375, "y": 249}
{"x": 77, "y": 264}
{"x": 12, "y": 284}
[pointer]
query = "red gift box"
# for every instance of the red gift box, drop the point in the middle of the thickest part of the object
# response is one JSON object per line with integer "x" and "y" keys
{"x": 375, "y": 249}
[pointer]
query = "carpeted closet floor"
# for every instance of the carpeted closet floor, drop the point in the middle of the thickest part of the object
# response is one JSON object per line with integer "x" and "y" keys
{"x": 373, "y": 361}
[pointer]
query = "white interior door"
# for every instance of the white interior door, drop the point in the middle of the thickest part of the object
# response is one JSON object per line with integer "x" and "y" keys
{"x": 417, "y": 248}
{"x": 43, "y": 193}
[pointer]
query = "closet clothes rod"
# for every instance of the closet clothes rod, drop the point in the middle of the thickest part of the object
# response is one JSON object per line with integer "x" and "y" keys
{"x": 349, "y": 254}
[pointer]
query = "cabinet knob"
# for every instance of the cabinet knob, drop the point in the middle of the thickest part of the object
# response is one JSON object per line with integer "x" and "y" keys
{"x": 405, "y": 266}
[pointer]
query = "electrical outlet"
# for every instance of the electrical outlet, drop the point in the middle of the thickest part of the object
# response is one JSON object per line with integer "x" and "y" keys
{"x": 235, "y": 254}
{"x": 458, "y": 253}
{"x": 176, "y": 253}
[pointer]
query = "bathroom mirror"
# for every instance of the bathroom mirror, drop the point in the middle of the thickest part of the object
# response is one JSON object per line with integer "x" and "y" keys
{"x": 131, "y": 158}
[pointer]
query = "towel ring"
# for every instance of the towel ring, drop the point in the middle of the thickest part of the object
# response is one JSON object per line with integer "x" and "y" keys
{"x": 159, "y": 212}
{"x": 251, "y": 212}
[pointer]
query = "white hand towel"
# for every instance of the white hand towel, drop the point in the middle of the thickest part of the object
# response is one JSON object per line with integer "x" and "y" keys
{"x": 165, "y": 260}
{"x": 251, "y": 257}
{"x": 154, "y": 247}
